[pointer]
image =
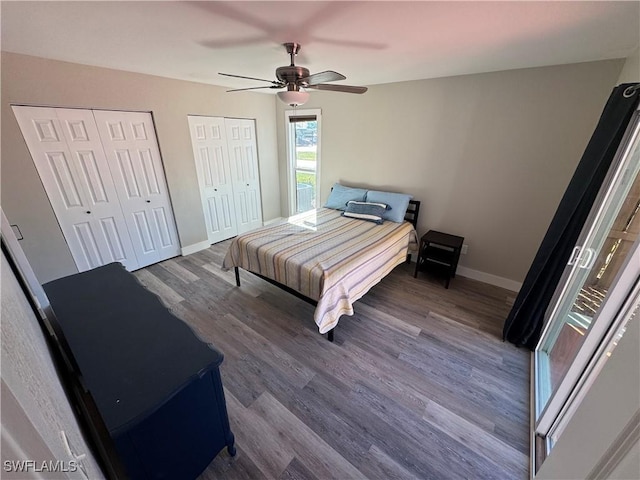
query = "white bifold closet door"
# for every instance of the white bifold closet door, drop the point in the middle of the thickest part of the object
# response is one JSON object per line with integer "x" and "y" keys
{"x": 225, "y": 153}
{"x": 210, "y": 152}
{"x": 133, "y": 155}
{"x": 74, "y": 156}
{"x": 243, "y": 156}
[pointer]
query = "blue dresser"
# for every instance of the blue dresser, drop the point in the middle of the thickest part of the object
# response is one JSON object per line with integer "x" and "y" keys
{"x": 148, "y": 389}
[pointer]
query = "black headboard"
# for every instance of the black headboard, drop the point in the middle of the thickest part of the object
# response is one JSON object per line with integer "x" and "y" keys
{"x": 412, "y": 212}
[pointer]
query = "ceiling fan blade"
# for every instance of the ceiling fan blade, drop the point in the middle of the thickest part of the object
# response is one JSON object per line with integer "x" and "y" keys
{"x": 251, "y": 78}
{"x": 338, "y": 88}
{"x": 321, "y": 77}
{"x": 253, "y": 88}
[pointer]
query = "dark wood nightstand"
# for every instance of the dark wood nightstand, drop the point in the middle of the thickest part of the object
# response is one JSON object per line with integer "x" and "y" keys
{"x": 439, "y": 249}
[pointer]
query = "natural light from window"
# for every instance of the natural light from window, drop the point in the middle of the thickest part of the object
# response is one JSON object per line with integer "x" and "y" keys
{"x": 304, "y": 159}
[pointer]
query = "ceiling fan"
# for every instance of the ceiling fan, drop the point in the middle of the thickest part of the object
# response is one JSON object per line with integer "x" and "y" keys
{"x": 295, "y": 79}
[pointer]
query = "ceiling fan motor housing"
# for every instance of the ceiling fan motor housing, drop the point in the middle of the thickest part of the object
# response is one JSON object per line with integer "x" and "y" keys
{"x": 291, "y": 74}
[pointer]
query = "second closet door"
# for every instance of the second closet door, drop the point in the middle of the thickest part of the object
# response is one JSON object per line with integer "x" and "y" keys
{"x": 214, "y": 176}
{"x": 132, "y": 152}
{"x": 243, "y": 158}
{"x": 225, "y": 152}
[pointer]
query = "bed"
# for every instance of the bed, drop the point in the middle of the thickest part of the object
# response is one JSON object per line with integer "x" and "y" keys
{"x": 327, "y": 256}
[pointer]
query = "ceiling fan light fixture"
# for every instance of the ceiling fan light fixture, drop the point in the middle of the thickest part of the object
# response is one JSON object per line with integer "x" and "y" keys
{"x": 294, "y": 98}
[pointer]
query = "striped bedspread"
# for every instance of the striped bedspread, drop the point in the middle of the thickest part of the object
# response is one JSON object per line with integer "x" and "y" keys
{"x": 324, "y": 256}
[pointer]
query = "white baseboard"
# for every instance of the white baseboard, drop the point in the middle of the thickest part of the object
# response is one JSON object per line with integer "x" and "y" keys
{"x": 489, "y": 278}
{"x": 195, "y": 247}
{"x": 273, "y": 220}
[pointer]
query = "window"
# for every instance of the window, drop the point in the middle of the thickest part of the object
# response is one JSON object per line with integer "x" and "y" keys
{"x": 303, "y": 155}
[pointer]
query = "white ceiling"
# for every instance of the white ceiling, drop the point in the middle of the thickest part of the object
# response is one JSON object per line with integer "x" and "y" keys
{"x": 369, "y": 42}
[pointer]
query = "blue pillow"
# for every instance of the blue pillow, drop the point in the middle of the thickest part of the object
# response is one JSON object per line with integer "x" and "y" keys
{"x": 371, "y": 212}
{"x": 397, "y": 201}
{"x": 340, "y": 195}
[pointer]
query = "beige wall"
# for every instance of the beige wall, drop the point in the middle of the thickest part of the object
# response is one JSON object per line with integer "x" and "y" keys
{"x": 35, "y": 81}
{"x": 631, "y": 69}
{"x": 489, "y": 155}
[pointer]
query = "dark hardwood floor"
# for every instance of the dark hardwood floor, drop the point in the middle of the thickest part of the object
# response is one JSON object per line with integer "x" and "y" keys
{"x": 418, "y": 383}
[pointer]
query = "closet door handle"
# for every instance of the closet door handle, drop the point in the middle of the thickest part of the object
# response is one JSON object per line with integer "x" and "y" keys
{"x": 88, "y": 211}
{"x": 148, "y": 201}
